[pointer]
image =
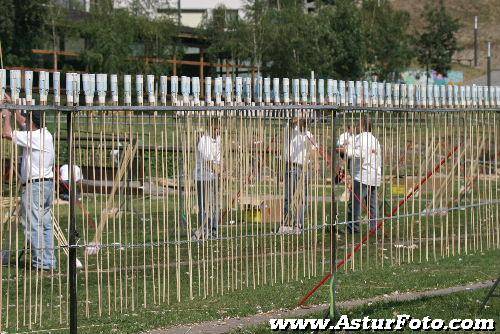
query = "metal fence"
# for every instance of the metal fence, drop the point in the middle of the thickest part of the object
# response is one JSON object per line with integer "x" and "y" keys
{"x": 183, "y": 202}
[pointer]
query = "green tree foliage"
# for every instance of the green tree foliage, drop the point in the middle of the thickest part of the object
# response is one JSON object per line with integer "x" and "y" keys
{"x": 109, "y": 35}
{"x": 293, "y": 41}
{"x": 118, "y": 41}
{"x": 23, "y": 27}
{"x": 343, "y": 38}
{"x": 255, "y": 35}
{"x": 437, "y": 43}
{"x": 281, "y": 39}
{"x": 340, "y": 37}
{"x": 156, "y": 38}
{"x": 388, "y": 47}
{"x": 222, "y": 32}
{"x": 6, "y": 27}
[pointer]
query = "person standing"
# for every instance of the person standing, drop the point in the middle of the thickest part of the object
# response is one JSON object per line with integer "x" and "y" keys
{"x": 65, "y": 181}
{"x": 207, "y": 173}
{"x": 37, "y": 177}
{"x": 299, "y": 146}
{"x": 344, "y": 164}
{"x": 366, "y": 163}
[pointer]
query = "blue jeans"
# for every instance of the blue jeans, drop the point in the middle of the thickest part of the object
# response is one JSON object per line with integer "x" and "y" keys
{"x": 208, "y": 206}
{"x": 362, "y": 193}
{"x": 36, "y": 218}
{"x": 294, "y": 208}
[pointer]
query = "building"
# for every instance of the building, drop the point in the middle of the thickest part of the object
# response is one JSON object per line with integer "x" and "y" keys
{"x": 310, "y": 5}
{"x": 192, "y": 12}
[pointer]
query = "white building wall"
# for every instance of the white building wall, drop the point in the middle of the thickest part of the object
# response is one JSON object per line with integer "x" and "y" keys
{"x": 208, "y": 4}
{"x": 192, "y": 11}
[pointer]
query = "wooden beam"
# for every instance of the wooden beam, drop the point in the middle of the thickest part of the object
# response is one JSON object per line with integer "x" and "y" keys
{"x": 202, "y": 75}
{"x": 173, "y": 61}
{"x": 57, "y": 52}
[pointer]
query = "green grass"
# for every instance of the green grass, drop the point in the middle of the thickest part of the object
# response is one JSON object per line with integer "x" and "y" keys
{"x": 358, "y": 284}
{"x": 238, "y": 263}
{"x": 135, "y": 277}
{"x": 460, "y": 305}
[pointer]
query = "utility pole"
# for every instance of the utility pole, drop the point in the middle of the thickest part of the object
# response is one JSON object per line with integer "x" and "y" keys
{"x": 475, "y": 41}
{"x": 488, "y": 67}
{"x": 1, "y": 56}
{"x": 179, "y": 13}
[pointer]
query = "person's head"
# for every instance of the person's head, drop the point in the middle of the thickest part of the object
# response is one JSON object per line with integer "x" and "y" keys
{"x": 34, "y": 119}
{"x": 365, "y": 124}
{"x": 300, "y": 123}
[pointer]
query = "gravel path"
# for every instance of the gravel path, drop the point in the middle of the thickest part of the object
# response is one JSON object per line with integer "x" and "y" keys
{"x": 227, "y": 325}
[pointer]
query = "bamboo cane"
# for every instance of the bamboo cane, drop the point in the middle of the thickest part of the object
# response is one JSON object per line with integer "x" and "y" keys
{"x": 373, "y": 231}
{"x": 130, "y": 152}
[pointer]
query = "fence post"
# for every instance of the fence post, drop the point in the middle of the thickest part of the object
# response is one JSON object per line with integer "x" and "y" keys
{"x": 73, "y": 234}
{"x": 333, "y": 213}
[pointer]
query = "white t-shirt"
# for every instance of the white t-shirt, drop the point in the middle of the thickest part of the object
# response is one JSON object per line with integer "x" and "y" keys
{"x": 38, "y": 153}
{"x": 366, "y": 155}
{"x": 207, "y": 151}
{"x": 297, "y": 149}
{"x": 64, "y": 173}
{"x": 345, "y": 139}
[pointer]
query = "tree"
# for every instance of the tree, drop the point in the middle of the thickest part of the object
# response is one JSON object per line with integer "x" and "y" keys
{"x": 6, "y": 28}
{"x": 437, "y": 43}
{"x": 109, "y": 35}
{"x": 289, "y": 42}
{"x": 258, "y": 26}
{"x": 23, "y": 27}
{"x": 224, "y": 33}
{"x": 147, "y": 8}
{"x": 293, "y": 41}
{"x": 118, "y": 41}
{"x": 388, "y": 49}
{"x": 157, "y": 38}
{"x": 341, "y": 45}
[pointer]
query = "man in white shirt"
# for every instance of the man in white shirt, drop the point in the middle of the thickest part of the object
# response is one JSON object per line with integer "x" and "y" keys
{"x": 37, "y": 178}
{"x": 345, "y": 139}
{"x": 206, "y": 174}
{"x": 65, "y": 181}
{"x": 299, "y": 149}
{"x": 366, "y": 155}
{"x": 343, "y": 167}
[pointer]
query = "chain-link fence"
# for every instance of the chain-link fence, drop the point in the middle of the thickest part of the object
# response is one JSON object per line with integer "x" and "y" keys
{"x": 169, "y": 203}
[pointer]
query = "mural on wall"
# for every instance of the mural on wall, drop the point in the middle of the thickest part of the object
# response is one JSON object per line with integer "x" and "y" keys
{"x": 420, "y": 77}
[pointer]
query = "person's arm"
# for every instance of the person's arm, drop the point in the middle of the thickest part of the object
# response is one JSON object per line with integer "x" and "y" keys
{"x": 7, "y": 127}
{"x": 216, "y": 161}
{"x": 314, "y": 150}
{"x": 341, "y": 149}
{"x": 353, "y": 149}
{"x": 20, "y": 119}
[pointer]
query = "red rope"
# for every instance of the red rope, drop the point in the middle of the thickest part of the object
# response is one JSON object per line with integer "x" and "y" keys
{"x": 374, "y": 230}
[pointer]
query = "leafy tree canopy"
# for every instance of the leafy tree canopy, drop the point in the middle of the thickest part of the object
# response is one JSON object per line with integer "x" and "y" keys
{"x": 23, "y": 27}
{"x": 388, "y": 43}
{"x": 437, "y": 43}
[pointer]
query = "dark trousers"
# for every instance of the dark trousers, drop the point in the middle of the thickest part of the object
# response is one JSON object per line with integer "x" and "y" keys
{"x": 296, "y": 192}
{"x": 362, "y": 193}
{"x": 64, "y": 187}
{"x": 208, "y": 206}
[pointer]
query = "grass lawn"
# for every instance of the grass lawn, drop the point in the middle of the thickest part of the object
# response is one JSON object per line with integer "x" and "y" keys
{"x": 461, "y": 305}
{"x": 359, "y": 284}
{"x": 135, "y": 283}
